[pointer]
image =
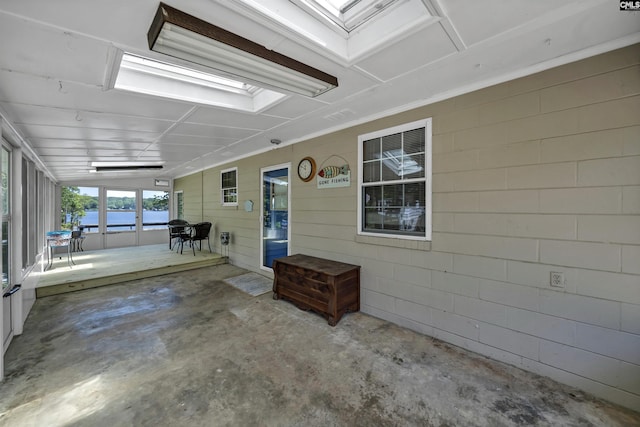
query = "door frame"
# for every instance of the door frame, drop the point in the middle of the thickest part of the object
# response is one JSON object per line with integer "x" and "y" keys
{"x": 118, "y": 237}
{"x": 262, "y": 210}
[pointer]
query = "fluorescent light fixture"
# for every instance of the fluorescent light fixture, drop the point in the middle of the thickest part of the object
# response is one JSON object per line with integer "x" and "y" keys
{"x": 124, "y": 166}
{"x": 162, "y": 182}
{"x": 183, "y": 36}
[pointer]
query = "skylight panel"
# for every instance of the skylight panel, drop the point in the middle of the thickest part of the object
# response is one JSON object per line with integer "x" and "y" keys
{"x": 337, "y": 7}
{"x": 157, "y": 78}
{"x": 347, "y": 14}
{"x": 174, "y": 72}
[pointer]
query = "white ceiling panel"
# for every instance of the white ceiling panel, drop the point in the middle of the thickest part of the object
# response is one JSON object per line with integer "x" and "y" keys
{"x": 195, "y": 129}
{"x": 174, "y": 155}
{"x": 83, "y": 153}
{"x": 37, "y": 115}
{"x": 20, "y": 88}
{"x": 476, "y": 21}
{"x": 296, "y": 106}
{"x": 186, "y": 140}
{"x": 51, "y": 52}
{"x": 87, "y": 134}
{"x": 223, "y": 117}
{"x": 121, "y": 21}
{"x": 108, "y": 145}
{"x": 423, "y": 47}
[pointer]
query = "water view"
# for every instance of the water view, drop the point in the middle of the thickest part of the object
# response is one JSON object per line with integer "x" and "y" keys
{"x": 125, "y": 220}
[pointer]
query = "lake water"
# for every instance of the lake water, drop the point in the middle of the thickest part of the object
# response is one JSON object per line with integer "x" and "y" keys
{"x": 115, "y": 217}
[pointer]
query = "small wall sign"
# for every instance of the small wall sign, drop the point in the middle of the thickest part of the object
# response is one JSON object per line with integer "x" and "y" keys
{"x": 334, "y": 177}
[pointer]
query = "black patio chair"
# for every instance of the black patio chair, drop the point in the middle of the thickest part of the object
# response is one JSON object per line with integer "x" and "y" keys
{"x": 178, "y": 229}
{"x": 199, "y": 232}
{"x": 76, "y": 240}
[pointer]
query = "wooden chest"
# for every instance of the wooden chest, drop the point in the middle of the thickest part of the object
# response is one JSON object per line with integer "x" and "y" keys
{"x": 328, "y": 287}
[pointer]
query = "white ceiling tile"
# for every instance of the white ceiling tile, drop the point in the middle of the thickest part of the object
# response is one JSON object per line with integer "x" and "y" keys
{"x": 187, "y": 140}
{"x": 223, "y": 117}
{"x": 194, "y": 129}
{"x": 52, "y": 53}
{"x": 53, "y": 116}
{"x": 86, "y": 134}
{"x": 427, "y": 45}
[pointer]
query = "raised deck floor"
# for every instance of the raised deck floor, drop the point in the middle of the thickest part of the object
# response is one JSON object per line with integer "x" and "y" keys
{"x": 111, "y": 266}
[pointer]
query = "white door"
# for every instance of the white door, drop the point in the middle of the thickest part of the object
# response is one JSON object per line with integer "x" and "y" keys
{"x": 275, "y": 231}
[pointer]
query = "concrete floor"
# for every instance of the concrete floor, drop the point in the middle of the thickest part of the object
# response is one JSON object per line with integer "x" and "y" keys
{"x": 187, "y": 349}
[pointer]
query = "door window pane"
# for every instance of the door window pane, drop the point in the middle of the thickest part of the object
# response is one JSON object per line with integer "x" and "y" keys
{"x": 121, "y": 210}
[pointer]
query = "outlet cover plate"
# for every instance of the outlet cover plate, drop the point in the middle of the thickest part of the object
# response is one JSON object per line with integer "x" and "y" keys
{"x": 557, "y": 279}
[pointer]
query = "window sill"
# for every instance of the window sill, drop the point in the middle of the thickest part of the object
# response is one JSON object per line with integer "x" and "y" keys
{"x": 395, "y": 242}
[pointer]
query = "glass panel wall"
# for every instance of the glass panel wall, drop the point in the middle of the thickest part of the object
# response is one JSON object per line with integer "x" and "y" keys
{"x": 5, "y": 177}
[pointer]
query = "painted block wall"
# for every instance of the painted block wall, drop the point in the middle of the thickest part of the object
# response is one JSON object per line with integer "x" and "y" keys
{"x": 537, "y": 175}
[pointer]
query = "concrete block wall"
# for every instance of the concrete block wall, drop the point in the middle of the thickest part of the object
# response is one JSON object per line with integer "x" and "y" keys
{"x": 536, "y": 175}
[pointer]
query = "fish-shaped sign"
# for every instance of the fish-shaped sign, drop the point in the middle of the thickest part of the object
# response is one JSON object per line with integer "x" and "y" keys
{"x": 333, "y": 171}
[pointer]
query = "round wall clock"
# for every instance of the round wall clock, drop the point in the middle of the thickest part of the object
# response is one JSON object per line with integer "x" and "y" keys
{"x": 307, "y": 169}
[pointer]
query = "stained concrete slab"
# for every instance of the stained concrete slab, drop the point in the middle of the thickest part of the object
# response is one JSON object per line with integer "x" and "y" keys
{"x": 187, "y": 349}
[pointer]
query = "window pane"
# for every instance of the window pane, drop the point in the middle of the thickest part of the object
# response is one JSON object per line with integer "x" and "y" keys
{"x": 4, "y": 167}
{"x": 121, "y": 210}
{"x": 413, "y": 166}
{"x": 179, "y": 214}
{"x": 391, "y": 143}
{"x": 5, "y": 177}
{"x": 80, "y": 208}
{"x": 230, "y": 196}
{"x": 229, "y": 179}
{"x": 392, "y": 165}
{"x": 371, "y": 149}
{"x": 371, "y": 172}
{"x": 5, "y": 254}
{"x": 414, "y": 141}
{"x": 397, "y": 209}
{"x": 155, "y": 209}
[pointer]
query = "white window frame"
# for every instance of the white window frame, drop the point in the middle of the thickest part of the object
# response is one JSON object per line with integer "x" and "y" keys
{"x": 427, "y": 125}
{"x": 222, "y": 188}
{"x": 178, "y": 205}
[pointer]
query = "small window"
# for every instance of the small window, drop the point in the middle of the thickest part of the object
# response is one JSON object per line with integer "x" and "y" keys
{"x": 229, "y": 187}
{"x": 395, "y": 182}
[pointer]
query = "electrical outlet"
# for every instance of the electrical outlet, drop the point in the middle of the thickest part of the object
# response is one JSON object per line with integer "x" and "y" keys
{"x": 557, "y": 279}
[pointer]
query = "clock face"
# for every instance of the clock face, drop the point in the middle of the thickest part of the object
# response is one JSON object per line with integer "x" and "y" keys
{"x": 306, "y": 169}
